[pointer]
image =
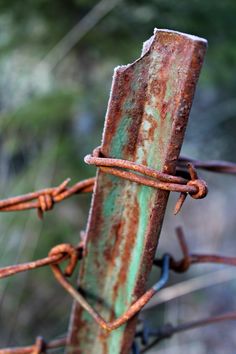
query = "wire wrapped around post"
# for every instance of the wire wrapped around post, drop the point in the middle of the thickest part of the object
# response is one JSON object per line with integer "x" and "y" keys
{"x": 195, "y": 187}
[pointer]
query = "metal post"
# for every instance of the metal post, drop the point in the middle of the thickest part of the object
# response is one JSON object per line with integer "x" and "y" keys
{"x": 145, "y": 123}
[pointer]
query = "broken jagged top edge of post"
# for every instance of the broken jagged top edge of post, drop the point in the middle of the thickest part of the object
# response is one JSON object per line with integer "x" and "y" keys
{"x": 148, "y": 44}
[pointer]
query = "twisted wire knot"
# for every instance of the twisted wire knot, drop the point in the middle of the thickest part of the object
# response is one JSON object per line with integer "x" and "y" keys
{"x": 47, "y": 198}
{"x": 46, "y": 202}
{"x": 201, "y": 187}
{"x": 195, "y": 187}
{"x": 66, "y": 250}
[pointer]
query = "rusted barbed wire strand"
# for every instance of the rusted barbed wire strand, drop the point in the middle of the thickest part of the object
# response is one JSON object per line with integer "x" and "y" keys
{"x": 132, "y": 310}
{"x": 165, "y": 263}
{"x": 168, "y": 330}
{"x": 189, "y": 259}
{"x": 66, "y": 251}
{"x": 40, "y": 346}
{"x": 196, "y": 188}
{"x": 57, "y": 255}
{"x": 164, "y": 332}
{"x": 62, "y": 252}
{"x": 47, "y": 197}
{"x": 44, "y": 199}
{"x": 210, "y": 165}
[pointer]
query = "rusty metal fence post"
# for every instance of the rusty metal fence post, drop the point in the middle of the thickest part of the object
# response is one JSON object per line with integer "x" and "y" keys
{"x": 144, "y": 129}
{"x": 145, "y": 123}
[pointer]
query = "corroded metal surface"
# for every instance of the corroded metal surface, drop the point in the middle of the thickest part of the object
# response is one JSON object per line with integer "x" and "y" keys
{"x": 145, "y": 123}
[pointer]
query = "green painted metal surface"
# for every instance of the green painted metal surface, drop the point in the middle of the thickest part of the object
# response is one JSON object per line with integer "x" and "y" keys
{"x": 145, "y": 122}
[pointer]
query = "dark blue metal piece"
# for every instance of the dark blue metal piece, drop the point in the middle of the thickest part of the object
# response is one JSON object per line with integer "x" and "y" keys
{"x": 165, "y": 270}
{"x": 146, "y": 332}
{"x": 135, "y": 348}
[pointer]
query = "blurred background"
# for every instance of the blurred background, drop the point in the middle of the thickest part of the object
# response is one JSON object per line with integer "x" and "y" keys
{"x": 56, "y": 65}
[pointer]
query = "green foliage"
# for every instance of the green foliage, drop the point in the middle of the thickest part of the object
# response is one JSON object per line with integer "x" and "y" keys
{"x": 41, "y": 114}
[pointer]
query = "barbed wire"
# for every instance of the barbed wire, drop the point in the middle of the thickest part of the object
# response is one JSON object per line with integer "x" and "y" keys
{"x": 63, "y": 252}
{"x": 40, "y": 346}
{"x": 209, "y": 165}
{"x": 189, "y": 259}
{"x": 57, "y": 255}
{"x": 166, "y": 331}
{"x": 44, "y": 200}
{"x": 145, "y": 334}
{"x": 141, "y": 174}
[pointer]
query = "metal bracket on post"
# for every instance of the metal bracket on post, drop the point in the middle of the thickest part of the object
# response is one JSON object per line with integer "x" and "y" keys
{"x": 145, "y": 123}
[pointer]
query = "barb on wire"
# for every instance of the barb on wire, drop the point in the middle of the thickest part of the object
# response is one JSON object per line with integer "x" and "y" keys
{"x": 189, "y": 259}
{"x": 40, "y": 346}
{"x": 44, "y": 199}
{"x": 168, "y": 330}
{"x": 141, "y": 174}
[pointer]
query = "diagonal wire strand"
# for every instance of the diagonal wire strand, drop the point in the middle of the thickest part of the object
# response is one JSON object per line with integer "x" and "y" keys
{"x": 88, "y": 22}
{"x": 189, "y": 286}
